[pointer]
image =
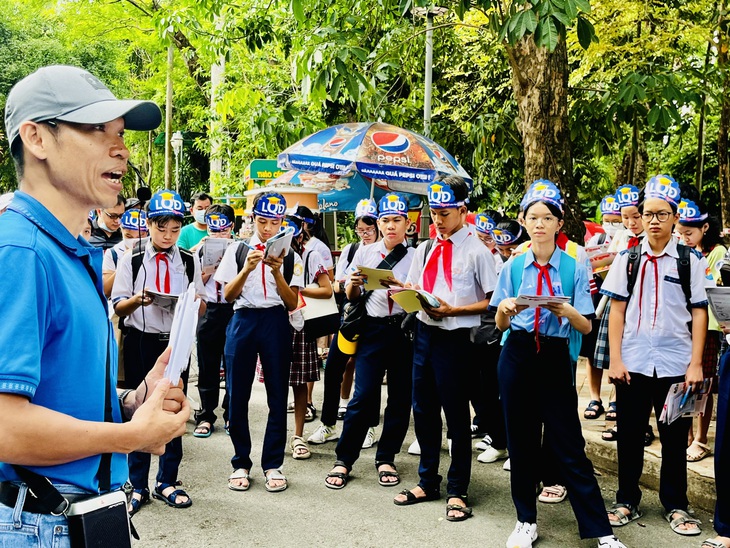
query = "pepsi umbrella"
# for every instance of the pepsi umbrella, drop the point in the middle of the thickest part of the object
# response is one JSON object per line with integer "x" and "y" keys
{"x": 375, "y": 150}
{"x": 338, "y": 193}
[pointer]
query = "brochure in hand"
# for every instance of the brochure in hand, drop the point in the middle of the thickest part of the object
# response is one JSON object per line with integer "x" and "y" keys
{"x": 719, "y": 298}
{"x": 374, "y": 277}
{"x": 277, "y": 244}
{"x": 214, "y": 249}
{"x": 165, "y": 301}
{"x": 533, "y": 301}
{"x": 684, "y": 401}
{"x": 413, "y": 300}
{"x": 182, "y": 334}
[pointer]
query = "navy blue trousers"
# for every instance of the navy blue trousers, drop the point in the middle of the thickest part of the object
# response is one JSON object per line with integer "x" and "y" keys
{"x": 252, "y": 333}
{"x": 525, "y": 377}
{"x": 211, "y": 343}
{"x": 334, "y": 371}
{"x": 381, "y": 347}
{"x": 488, "y": 415}
{"x": 141, "y": 351}
{"x": 635, "y": 402}
{"x": 443, "y": 368}
{"x": 722, "y": 450}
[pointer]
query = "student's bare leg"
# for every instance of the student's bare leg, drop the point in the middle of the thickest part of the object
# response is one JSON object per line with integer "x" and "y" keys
{"x": 300, "y": 407}
{"x": 594, "y": 377}
{"x": 347, "y": 378}
{"x": 310, "y": 391}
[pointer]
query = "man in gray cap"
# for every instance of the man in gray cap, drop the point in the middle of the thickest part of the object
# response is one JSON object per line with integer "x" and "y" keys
{"x": 63, "y": 417}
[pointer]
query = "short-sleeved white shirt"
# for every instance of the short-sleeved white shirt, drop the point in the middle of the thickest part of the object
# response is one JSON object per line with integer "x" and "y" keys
{"x": 663, "y": 344}
{"x": 315, "y": 244}
{"x": 252, "y": 294}
{"x": 379, "y": 304}
{"x": 153, "y": 319}
{"x": 473, "y": 277}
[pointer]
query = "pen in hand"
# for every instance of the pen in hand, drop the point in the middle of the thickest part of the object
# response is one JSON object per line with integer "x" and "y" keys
{"x": 686, "y": 396}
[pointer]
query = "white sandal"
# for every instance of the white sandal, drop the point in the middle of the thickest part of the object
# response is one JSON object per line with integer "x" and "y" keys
{"x": 300, "y": 450}
{"x": 239, "y": 474}
{"x": 559, "y": 493}
{"x": 275, "y": 474}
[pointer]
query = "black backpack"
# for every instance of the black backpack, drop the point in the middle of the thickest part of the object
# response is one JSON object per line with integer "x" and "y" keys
{"x": 683, "y": 269}
{"x": 242, "y": 253}
{"x": 186, "y": 256}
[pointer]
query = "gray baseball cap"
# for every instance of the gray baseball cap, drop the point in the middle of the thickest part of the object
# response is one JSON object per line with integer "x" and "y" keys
{"x": 72, "y": 94}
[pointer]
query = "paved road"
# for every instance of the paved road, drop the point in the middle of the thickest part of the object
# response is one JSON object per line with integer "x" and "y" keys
{"x": 361, "y": 515}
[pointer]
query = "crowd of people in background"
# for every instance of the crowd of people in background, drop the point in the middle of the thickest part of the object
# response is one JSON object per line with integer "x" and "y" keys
{"x": 644, "y": 319}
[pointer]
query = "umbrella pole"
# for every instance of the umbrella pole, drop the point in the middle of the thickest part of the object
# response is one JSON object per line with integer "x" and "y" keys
{"x": 372, "y": 188}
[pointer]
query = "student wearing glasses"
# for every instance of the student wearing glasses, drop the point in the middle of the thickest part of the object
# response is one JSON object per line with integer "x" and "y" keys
{"x": 105, "y": 231}
{"x": 657, "y": 337}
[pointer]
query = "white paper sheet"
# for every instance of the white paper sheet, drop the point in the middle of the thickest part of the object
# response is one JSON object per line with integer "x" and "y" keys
{"x": 279, "y": 243}
{"x": 533, "y": 301}
{"x": 182, "y": 334}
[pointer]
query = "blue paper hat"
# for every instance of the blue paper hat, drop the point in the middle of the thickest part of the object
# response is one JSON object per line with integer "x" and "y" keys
{"x": 627, "y": 195}
{"x": 166, "y": 202}
{"x": 609, "y": 205}
{"x": 292, "y": 221}
{"x": 663, "y": 187}
{"x": 92, "y": 215}
{"x": 441, "y": 196}
{"x": 545, "y": 191}
{"x": 392, "y": 204}
{"x": 218, "y": 222}
{"x": 484, "y": 223}
{"x": 271, "y": 205}
{"x": 689, "y": 212}
{"x": 366, "y": 208}
{"x": 134, "y": 219}
{"x": 505, "y": 237}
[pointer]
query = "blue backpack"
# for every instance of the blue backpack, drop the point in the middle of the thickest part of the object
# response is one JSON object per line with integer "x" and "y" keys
{"x": 567, "y": 278}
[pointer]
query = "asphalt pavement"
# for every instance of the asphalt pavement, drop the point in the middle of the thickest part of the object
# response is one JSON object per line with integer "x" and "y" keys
{"x": 362, "y": 514}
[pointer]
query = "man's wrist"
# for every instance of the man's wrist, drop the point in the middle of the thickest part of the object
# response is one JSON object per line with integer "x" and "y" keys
{"x": 126, "y": 404}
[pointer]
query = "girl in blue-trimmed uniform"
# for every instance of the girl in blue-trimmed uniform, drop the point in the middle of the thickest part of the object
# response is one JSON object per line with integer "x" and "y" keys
{"x": 535, "y": 360}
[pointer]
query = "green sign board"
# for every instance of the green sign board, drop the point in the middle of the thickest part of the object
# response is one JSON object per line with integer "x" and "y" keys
{"x": 262, "y": 170}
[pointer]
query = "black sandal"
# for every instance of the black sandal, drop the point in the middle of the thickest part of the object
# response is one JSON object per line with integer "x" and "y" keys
{"x": 649, "y": 437}
{"x": 593, "y": 410}
{"x": 171, "y": 499}
{"x": 136, "y": 504}
{"x": 387, "y": 473}
{"x": 610, "y": 435}
{"x": 466, "y": 511}
{"x": 612, "y": 411}
{"x": 344, "y": 476}
{"x": 413, "y": 499}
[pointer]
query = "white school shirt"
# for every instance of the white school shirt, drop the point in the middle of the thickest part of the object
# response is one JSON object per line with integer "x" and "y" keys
{"x": 379, "y": 304}
{"x": 108, "y": 264}
{"x": 472, "y": 273}
{"x": 343, "y": 270}
{"x": 313, "y": 268}
{"x": 153, "y": 319}
{"x": 664, "y": 345}
{"x": 252, "y": 293}
{"x": 315, "y": 244}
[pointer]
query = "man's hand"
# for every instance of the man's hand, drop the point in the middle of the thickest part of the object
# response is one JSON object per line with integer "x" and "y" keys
{"x": 443, "y": 311}
{"x": 253, "y": 259}
{"x": 155, "y": 426}
{"x": 143, "y": 298}
{"x": 617, "y": 372}
{"x": 174, "y": 397}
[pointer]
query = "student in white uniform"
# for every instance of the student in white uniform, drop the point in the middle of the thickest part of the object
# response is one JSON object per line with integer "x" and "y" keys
{"x": 652, "y": 348}
{"x": 459, "y": 271}
{"x": 134, "y": 231}
{"x": 164, "y": 268}
{"x": 382, "y": 347}
{"x": 263, "y": 290}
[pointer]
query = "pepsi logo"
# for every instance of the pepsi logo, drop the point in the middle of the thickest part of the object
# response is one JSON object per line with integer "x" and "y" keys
{"x": 336, "y": 142}
{"x": 389, "y": 141}
{"x": 440, "y": 155}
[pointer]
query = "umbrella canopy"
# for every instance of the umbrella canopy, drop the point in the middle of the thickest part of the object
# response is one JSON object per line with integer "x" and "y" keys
{"x": 338, "y": 193}
{"x": 374, "y": 149}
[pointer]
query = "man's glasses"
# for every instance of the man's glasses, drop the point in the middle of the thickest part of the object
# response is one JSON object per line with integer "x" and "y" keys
{"x": 365, "y": 232}
{"x": 113, "y": 216}
{"x": 662, "y": 216}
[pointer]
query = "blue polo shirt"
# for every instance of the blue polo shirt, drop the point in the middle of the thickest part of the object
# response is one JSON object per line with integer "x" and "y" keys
{"x": 549, "y": 324}
{"x": 55, "y": 331}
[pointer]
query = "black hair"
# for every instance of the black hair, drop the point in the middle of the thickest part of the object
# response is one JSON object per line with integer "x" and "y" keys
{"x": 370, "y": 221}
{"x": 314, "y": 229}
{"x": 200, "y": 197}
{"x": 514, "y": 228}
{"x": 457, "y": 184}
{"x": 555, "y": 210}
{"x": 495, "y": 215}
{"x": 161, "y": 221}
{"x": 674, "y": 207}
{"x": 713, "y": 235}
{"x": 225, "y": 209}
{"x": 120, "y": 200}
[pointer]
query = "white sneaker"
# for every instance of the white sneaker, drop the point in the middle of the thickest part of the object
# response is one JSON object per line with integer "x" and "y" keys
{"x": 414, "y": 448}
{"x": 507, "y": 466}
{"x": 610, "y": 542}
{"x": 323, "y": 434}
{"x": 482, "y": 445}
{"x": 492, "y": 455}
{"x": 523, "y": 536}
{"x": 369, "y": 439}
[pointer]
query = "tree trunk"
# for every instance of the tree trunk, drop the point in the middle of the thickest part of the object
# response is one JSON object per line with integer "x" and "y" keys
{"x": 633, "y": 168}
{"x": 540, "y": 86}
{"x": 722, "y": 136}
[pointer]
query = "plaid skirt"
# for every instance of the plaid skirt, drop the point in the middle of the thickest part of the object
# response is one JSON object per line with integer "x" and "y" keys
{"x": 602, "y": 357}
{"x": 305, "y": 361}
{"x": 710, "y": 357}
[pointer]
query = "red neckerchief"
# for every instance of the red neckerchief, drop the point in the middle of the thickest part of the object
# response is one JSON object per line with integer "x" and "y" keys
{"x": 543, "y": 275}
{"x": 261, "y": 247}
{"x": 444, "y": 250}
{"x": 162, "y": 257}
{"x": 649, "y": 259}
